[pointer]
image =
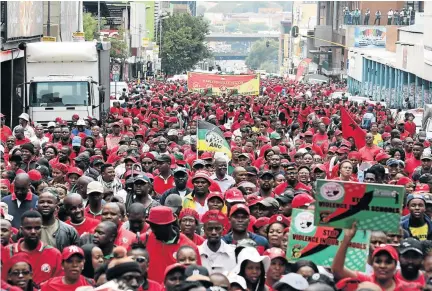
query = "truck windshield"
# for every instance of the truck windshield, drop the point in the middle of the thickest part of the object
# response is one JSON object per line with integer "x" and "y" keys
{"x": 58, "y": 94}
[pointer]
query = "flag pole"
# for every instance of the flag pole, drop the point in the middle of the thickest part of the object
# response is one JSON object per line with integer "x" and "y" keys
{"x": 197, "y": 127}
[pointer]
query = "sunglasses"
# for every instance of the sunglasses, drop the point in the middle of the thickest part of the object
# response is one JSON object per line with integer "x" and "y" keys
{"x": 140, "y": 259}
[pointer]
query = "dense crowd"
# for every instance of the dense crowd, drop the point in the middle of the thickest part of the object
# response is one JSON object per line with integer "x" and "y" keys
{"x": 130, "y": 203}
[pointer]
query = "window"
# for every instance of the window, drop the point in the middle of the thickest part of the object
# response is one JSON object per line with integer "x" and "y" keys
{"x": 59, "y": 94}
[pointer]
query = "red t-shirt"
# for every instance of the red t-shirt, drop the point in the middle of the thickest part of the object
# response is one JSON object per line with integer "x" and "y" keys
{"x": 87, "y": 226}
{"x": 371, "y": 278}
{"x": 421, "y": 279}
{"x": 369, "y": 153}
{"x": 88, "y": 214}
{"x": 411, "y": 165}
{"x": 5, "y": 132}
{"x": 19, "y": 142}
{"x": 319, "y": 139}
{"x": 163, "y": 255}
{"x": 44, "y": 259}
{"x": 160, "y": 185}
{"x": 281, "y": 188}
{"x": 56, "y": 284}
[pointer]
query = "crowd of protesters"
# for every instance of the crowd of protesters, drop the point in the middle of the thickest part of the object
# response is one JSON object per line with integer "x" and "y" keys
{"x": 129, "y": 203}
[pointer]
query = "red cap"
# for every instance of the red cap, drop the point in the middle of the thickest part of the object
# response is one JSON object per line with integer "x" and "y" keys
{"x": 215, "y": 194}
{"x": 253, "y": 199}
{"x": 161, "y": 215}
{"x": 202, "y": 174}
{"x": 348, "y": 284}
{"x": 308, "y": 133}
{"x": 147, "y": 155}
{"x": 333, "y": 149}
{"x": 239, "y": 207}
{"x": 342, "y": 150}
{"x": 130, "y": 158}
{"x": 5, "y": 182}
{"x": 274, "y": 253}
{"x": 70, "y": 251}
{"x": 21, "y": 257}
{"x": 388, "y": 249}
{"x": 189, "y": 212}
{"x": 228, "y": 134}
{"x": 319, "y": 166}
{"x": 302, "y": 200}
{"x": 422, "y": 188}
{"x": 385, "y": 135}
{"x": 337, "y": 132}
{"x": 75, "y": 116}
{"x": 214, "y": 215}
{"x": 280, "y": 219}
{"x": 34, "y": 175}
{"x": 403, "y": 181}
{"x": 260, "y": 222}
{"x": 207, "y": 156}
{"x": 61, "y": 167}
{"x": 234, "y": 195}
{"x": 74, "y": 170}
{"x": 174, "y": 267}
{"x": 382, "y": 156}
{"x": 172, "y": 120}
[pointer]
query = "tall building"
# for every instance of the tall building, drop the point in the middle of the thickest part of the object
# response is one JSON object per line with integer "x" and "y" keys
{"x": 335, "y": 25}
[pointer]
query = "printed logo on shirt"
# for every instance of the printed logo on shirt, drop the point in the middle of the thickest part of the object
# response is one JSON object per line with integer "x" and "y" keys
{"x": 46, "y": 268}
{"x": 125, "y": 240}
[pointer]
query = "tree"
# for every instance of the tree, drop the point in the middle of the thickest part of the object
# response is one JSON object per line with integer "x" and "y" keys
{"x": 260, "y": 53}
{"x": 119, "y": 48}
{"x": 90, "y": 25}
{"x": 183, "y": 44}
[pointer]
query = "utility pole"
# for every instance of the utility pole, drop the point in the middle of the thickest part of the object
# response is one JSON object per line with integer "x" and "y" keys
{"x": 139, "y": 47}
{"x": 49, "y": 19}
{"x": 99, "y": 18}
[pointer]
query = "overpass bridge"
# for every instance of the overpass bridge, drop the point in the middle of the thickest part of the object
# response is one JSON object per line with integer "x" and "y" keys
{"x": 248, "y": 38}
{"x": 240, "y": 36}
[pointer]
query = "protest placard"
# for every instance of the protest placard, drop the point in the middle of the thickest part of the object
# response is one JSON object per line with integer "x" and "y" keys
{"x": 373, "y": 206}
{"x": 319, "y": 243}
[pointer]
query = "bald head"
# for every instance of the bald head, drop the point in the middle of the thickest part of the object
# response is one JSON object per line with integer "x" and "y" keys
{"x": 319, "y": 287}
{"x": 81, "y": 185}
{"x": 136, "y": 208}
{"x": 72, "y": 198}
{"x": 239, "y": 174}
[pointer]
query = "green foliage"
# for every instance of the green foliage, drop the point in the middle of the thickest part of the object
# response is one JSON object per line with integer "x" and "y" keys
{"x": 260, "y": 53}
{"x": 119, "y": 48}
{"x": 90, "y": 25}
{"x": 183, "y": 44}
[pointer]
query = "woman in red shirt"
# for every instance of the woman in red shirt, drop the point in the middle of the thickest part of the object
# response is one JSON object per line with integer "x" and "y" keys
{"x": 384, "y": 262}
{"x": 346, "y": 171}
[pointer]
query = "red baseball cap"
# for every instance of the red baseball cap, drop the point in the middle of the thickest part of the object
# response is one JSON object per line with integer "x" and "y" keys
{"x": 130, "y": 158}
{"x": 388, "y": 249}
{"x": 70, "y": 251}
{"x": 239, "y": 207}
{"x": 274, "y": 253}
{"x": 234, "y": 195}
{"x": 382, "y": 156}
{"x": 403, "y": 181}
{"x": 206, "y": 156}
{"x": 228, "y": 134}
{"x": 421, "y": 188}
{"x": 302, "y": 200}
{"x": 203, "y": 175}
{"x": 161, "y": 215}
{"x": 34, "y": 175}
{"x": 214, "y": 215}
{"x": 253, "y": 199}
{"x": 260, "y": 222}
{"x": 333, "y": 149}
{"x": 215, "y": 194}
{"x": 320, "y": 167}
{"x": 174, "y": 267}
{"x": 74, "y": 170}
{"x": 308, "y": 133}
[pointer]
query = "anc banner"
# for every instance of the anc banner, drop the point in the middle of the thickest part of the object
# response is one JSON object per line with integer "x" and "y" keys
{"x": 211, "y": 139}
{"x": 319, "y": 244}
{"x": 224, "y": 84}
{"x": 373, "y": 206}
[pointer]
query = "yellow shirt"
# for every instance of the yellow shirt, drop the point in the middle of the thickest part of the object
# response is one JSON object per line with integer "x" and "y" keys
{"x": 420, "y": 232}
{"x": 377, "y": 139}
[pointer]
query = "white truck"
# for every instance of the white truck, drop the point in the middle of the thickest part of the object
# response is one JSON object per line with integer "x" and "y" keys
{"x": 65, "y": 78}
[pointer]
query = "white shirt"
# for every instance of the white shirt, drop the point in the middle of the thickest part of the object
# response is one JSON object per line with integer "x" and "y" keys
{"x": 390, "y": 14}
{"x": 223, "y": 260}
{"x": 225, "y": 183}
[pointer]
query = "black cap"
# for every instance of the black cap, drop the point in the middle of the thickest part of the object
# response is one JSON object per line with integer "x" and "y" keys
{"x": 252, "y": 170}
{"x": 264, "y": 173}
{"x": 284, "y": 199}
{"x": 196, "y": 270}
{"x": 410, "y": 244}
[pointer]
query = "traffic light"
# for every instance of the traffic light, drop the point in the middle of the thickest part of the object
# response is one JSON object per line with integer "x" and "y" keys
{"x": 294, "y": 31}
{"x": 267, "y": 43}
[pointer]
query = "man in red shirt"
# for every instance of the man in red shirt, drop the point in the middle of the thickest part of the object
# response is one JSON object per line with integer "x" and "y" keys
{"x": 44, "y": 259}
{"x": 415, "y": 161}
{"x": 163, "y": 242}
{"x": 320, "y": 137}
{"x": 165, "y": 180}
{"x": 4, "y": 130}
{"x": 20, "y": 137}
{"x": 410, "y": 259}
{"x": 73, "y": 204}
{"x": 369, "y": 151}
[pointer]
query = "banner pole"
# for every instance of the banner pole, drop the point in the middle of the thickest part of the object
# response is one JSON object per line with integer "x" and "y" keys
{"x": 197, "y": 137}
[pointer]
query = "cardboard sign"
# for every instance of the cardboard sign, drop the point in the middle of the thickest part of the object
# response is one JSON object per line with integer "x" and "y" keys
{"x": 373, "y": 206}
{"x": 319, "y": 244}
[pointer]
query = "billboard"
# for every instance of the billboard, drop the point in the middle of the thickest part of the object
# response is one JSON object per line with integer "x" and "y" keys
{"x": 224, "y": 84}
{"x": 370, "y": 37}
{"x": 24, "y": 19}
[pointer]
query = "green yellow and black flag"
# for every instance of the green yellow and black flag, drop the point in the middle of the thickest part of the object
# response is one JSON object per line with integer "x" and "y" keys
{"x": 211, "y": 139}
